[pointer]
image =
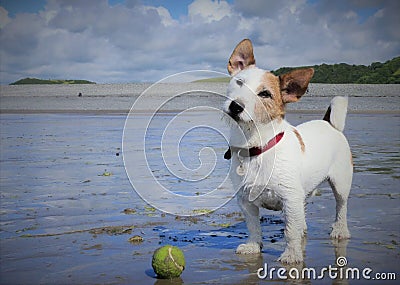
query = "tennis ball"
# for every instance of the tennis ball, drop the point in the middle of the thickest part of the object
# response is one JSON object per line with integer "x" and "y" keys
{"x": 168, "y": 262}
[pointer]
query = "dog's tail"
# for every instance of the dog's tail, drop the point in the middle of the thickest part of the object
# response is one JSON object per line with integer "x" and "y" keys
{"x": 336, "y": 113}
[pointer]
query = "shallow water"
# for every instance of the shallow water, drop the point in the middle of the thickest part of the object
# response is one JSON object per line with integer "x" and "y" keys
{"x": 64, "y": 190}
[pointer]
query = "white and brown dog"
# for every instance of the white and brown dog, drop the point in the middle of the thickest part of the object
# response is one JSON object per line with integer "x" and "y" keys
{"x": 276, "y": 165}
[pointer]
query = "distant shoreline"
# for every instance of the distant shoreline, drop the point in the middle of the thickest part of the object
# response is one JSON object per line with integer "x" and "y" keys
{"x": 174, "y": 97}
{"x": 339, "y": 73}
{"x": 36, "y": 81}
{"x": 145, "y": 112}
{"x": 343, "y": 73}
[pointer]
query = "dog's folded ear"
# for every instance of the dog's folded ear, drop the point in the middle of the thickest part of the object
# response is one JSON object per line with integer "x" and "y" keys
{"x": 242, "y": 57}
{"x": 295, "y": 83}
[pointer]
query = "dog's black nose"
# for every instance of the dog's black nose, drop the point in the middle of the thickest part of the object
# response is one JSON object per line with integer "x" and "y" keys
{"x": 235, "y": 108}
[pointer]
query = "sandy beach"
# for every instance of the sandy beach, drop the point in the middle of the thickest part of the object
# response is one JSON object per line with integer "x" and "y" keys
{"x": 68, "y": 210}
{"x": 117, "y": 98}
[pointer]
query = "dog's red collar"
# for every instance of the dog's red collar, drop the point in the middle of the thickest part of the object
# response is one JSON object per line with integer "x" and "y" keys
{"x": 253, "y": 151}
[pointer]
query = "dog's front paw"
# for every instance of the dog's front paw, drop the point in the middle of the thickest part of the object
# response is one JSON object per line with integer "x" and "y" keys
{"x": 340, "y": 231}
{"x": 249, "y": 248}
{"x": 291, "y": 256}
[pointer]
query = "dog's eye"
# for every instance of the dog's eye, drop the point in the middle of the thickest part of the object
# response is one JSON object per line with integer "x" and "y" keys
{"x": 239, "y": 82}
{"x": 265, "y": 94}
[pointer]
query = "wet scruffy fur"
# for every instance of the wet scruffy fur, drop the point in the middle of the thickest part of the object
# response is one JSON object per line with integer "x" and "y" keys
{"x": 280, "y": 177}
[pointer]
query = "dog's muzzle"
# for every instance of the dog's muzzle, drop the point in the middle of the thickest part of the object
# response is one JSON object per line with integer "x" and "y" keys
{"x": 235, "y": 109}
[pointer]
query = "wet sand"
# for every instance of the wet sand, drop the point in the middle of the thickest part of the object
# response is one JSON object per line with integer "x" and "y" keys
{"x": 118, "y": 98}
{"x": 68, "y": 209}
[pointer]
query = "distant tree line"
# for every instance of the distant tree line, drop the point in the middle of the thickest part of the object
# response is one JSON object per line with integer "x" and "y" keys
{"x": 50, "y": 81}
{"x": 376, "y": 73}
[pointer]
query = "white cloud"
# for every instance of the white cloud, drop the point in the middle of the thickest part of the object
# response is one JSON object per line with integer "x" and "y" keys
{"x": 132, "y": 42}
{"x": 351, "y": 15}
{"x": 164, "y": 14}
{"x": 4, "y": 19}
{"x": 209, "y": 10}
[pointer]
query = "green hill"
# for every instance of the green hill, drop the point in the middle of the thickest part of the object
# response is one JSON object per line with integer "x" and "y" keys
{"x": 376, "y": 73}
{"x": 50, "y": 81}
{"x": 214, "y": 80}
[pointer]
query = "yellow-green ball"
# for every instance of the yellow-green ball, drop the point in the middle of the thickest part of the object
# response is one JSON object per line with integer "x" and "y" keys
{"x": 168, "y": 262}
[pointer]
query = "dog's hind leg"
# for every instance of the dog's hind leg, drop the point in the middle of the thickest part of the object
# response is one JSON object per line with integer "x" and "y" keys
{"x": 251, "y": 215}
{"x": 341, "y": 184}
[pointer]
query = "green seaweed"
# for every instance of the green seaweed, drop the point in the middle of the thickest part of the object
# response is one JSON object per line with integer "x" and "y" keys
{"x": 202, "y": 211}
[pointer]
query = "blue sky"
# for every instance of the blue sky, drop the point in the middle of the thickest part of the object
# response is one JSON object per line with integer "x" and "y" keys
{"x": 146, "y": 40}
{"x": 176, "y": 8}
{"x": 22, "y": 6}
